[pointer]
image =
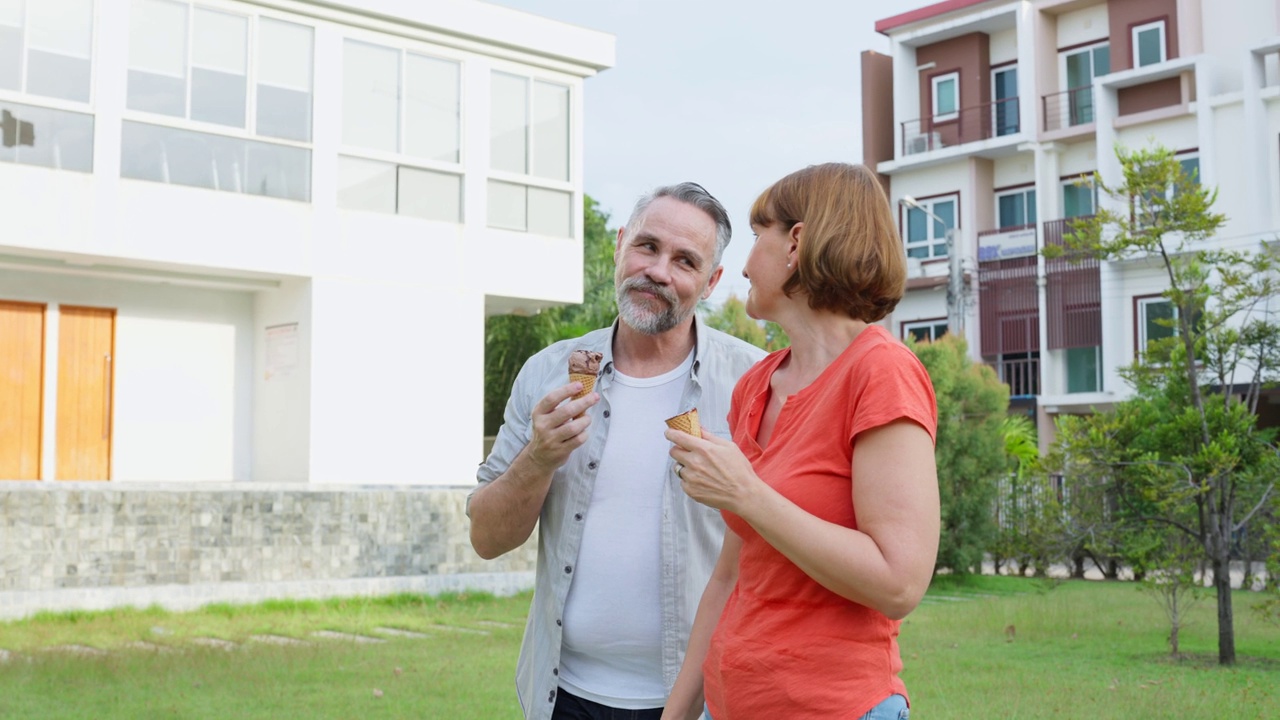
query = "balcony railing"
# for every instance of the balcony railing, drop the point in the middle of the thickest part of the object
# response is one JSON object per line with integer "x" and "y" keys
{"x": 1021, "y": 375}
{"x": 1068, "y": 108}
{"x": 980, "y": 122}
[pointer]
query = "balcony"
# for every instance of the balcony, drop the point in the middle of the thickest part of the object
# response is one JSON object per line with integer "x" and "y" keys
{"x": 971, "y": 124}
{"x": 1068, "y": 108}
{"x": 1022, "y": 375}
{"x": 1073, "y": 292}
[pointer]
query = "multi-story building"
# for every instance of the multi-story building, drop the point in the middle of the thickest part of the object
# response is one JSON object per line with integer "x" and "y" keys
{"x": 254, "y": 242}
{"x": 988, "y": 118}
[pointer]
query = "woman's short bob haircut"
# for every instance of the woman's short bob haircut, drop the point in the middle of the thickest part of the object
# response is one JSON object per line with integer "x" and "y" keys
{"x": 850, "y": 258}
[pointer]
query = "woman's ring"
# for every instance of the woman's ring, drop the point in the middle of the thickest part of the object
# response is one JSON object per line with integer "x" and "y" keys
{"x": 679, "y": 469}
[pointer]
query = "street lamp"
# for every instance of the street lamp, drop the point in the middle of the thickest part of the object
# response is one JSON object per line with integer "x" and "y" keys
{"x": 955, "y": 277}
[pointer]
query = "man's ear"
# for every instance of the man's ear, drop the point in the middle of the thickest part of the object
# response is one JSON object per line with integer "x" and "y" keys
{"x": 617, "y": 247}
{"x": 711, "y": 284}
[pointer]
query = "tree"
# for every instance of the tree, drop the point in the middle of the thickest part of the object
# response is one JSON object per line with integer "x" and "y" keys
{"x": 1184, "y": 454}
{"x": 511, "y": 340}
{"x": 972, "y": 405}
{"x": 731, "y": 317}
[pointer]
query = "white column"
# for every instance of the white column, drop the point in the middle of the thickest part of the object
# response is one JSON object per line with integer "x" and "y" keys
{"x": 1257, "y": 180}
{"x": 1105, "y": 107}
{"x": 906, "y": 91}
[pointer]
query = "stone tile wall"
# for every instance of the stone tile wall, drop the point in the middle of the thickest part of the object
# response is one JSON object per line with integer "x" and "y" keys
{"x": 84, "y": 536}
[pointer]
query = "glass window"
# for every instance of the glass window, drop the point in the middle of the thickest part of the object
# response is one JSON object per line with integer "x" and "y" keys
{"x": 551, "y": 131}
{"x": 1004, "y": 86}
{"x": 1156, "y": 320}
{"x": 46, "y": 47}
{"x": 219, "y": 68}
{"x": 433, "y": 103}
{"x": 59, "y": 45}
{"x": 1148, "y": 44}
{"x": 1016, "y": 208}
{"x": 549, "y": 212}
{"x": 158, "y": 57}
{"x": 1078, "y": 199}
{"x": 211, "y": 80}
{"x": 429, "y": 195}
{"x": 946, "y": 96}
{"x": 1084, "y": 369}
{"x": 45, "y": 137}
{"x": 217, "y": 162}
{"x": 284, "y": 80}
{"x": 508, "y": 113}
{"x": 924, "y": 330}
{"x": 926, "y": 236}
{"x": 371, "y": 96}
{"x": 1080, "y": 68}
{"x": 507, "y": 206}
{"x": 11, "y": 44}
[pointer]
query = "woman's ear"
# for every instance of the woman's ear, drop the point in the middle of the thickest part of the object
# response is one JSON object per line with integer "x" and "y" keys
{"x": 794, "y": 235}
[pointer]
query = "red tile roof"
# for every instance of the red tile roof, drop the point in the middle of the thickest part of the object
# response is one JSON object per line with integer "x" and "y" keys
{"x": 924, "y": 13}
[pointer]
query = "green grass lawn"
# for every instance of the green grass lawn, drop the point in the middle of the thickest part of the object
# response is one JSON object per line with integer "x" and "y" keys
{"x": 1078, "y": 650}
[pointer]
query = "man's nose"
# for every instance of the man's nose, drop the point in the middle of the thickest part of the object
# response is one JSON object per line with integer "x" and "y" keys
{"x": 660, "y": 271}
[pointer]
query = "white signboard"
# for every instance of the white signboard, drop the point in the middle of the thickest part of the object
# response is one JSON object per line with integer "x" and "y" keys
{"x": 1001, "y": 246}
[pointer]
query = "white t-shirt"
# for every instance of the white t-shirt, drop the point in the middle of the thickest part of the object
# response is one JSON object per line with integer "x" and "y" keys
{"x": 612, "y": 651}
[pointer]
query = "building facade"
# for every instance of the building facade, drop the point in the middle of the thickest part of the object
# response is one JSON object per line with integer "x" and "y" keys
{"x": 247, "y": 252}
{"x": 987, "y": 121}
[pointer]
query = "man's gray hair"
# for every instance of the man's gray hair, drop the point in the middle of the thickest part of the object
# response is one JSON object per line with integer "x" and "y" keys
{"x": 697, "y": 196}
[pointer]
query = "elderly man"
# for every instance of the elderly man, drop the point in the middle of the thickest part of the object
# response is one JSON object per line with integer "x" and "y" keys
{"x": 623, "y": 553}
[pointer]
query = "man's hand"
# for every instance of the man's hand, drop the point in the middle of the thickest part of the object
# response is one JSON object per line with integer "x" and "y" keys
{"x": 559, "y": 427}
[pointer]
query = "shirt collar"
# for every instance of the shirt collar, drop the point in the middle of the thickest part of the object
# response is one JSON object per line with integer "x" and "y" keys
{"x": 700, "y": 333}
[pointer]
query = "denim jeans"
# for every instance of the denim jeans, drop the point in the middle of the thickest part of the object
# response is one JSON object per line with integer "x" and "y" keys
{"x": 893, "y": 707}
{"x": 571, "y": 707}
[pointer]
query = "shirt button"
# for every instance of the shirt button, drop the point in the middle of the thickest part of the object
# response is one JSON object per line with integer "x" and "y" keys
{"x": 606, "y": 413}
{"x": 555, "y": 671}
{"x": 577, "y": 516}
{"x": 559, "y": 622}
{"x": 591, "y": 465}
{"x": 552, "y": 696}
{"x": 568, "y": 569}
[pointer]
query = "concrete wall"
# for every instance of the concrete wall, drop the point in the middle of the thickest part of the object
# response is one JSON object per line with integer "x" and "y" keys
{"x": 88, "y": 546}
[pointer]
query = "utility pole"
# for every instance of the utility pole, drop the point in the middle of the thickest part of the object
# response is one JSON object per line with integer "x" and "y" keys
{"x": 956, "y": 291}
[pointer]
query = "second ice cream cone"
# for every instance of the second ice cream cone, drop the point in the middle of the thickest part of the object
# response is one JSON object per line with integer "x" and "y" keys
{"x": 686, "y": 422}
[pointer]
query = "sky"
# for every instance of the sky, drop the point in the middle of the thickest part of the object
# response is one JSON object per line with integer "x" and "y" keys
{"x": 731, "y": 95}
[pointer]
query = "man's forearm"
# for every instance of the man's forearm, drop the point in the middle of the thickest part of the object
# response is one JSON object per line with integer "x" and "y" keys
{"x": 504, "y": 512}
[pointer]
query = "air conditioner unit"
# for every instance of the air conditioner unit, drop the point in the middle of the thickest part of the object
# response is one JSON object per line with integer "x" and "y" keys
{"x": 924, "y": 142}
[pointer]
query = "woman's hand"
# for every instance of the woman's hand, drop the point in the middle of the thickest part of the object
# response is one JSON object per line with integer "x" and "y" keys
{"x": 713, "y": 471}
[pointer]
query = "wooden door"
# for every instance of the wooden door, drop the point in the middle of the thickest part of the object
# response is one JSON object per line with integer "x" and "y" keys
{"x": 21, "y": 389}
{"x": 86, "y": 360}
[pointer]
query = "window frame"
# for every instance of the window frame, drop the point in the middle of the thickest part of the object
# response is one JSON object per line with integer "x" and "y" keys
{"x": 1028, "y": 208}
{"x": 1140, "y": 305}
{"x": 931, "y": 243}
{"x": 931, "y": 324}
{"x": 1071, "y": 181}
{"x": 529, "y": 181}
{"x": 25, "y": 97}
{"x": 934, "y": 81}
{"x": 997, "y": 104}
{"x": 399, "y": 160}
{"x": 1134, "y": 47}
{"x": 252, "y": 14}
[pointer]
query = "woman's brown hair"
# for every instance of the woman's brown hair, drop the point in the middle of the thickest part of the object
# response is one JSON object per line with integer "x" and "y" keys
{"x": 850, "y": 258}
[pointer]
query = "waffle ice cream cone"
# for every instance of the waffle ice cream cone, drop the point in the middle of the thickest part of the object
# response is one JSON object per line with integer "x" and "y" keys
{"x": 588, "y": 382}
{"x": 686, "y": 422}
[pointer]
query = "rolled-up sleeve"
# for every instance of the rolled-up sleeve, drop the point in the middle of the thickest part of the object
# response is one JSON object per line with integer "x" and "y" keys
{"x": 514, "y": 433}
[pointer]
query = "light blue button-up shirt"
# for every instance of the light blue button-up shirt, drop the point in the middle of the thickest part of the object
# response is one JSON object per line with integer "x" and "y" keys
{"x": 691, "y": 533}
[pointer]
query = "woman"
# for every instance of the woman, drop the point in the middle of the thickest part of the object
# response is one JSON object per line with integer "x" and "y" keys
{"x": 829, "y": 487}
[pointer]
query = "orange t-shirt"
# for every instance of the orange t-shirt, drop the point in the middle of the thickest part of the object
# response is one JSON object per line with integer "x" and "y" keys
{"x": 786, "y": 647}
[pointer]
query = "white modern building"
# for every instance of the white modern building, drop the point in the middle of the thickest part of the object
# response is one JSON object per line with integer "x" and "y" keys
{"x": 257, "y": 240}
{"x": 247, "y": 248}
{"x": 985, "y": 116}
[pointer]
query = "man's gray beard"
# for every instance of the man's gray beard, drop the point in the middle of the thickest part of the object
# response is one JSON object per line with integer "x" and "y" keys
{"x": 647, "y": 321}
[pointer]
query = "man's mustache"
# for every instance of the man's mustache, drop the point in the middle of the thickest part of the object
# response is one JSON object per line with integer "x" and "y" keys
{"x": 649, "y": 286}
